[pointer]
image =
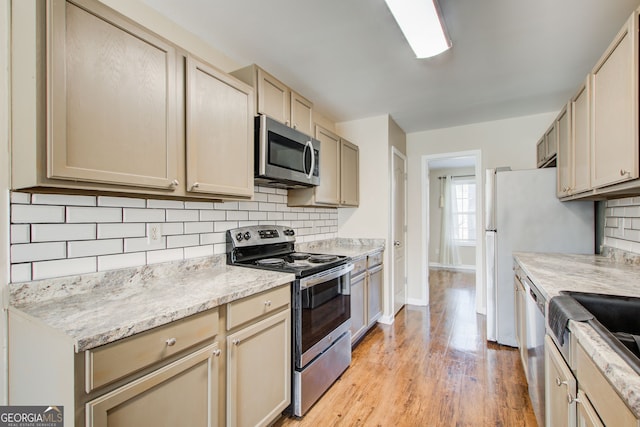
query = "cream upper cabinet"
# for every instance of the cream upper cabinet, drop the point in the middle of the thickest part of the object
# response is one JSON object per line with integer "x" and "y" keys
{"x": 276, "y": 100}
{"x": 111, "y": 101}
{"x": 339, "y": 174}
{"x": 219, "y": 132}
{"x": 614, "y": 113}
{"x": 580, "y": 137}
{"x": 547, "y": 148}
{"x": 564, "y": 156}
{"x": 349, "y": 174}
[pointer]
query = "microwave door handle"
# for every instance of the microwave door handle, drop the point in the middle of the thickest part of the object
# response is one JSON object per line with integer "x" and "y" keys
{"x": 309, "y": 146}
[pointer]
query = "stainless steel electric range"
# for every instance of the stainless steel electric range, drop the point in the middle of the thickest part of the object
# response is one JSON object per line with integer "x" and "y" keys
{"x": 321, "y": 313}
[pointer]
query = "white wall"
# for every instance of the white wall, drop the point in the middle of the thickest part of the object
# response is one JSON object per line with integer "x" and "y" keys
{"x": 510, "y": 142}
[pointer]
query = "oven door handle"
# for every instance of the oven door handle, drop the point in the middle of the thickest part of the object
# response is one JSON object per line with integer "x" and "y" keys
{"x": 325, "y": 276}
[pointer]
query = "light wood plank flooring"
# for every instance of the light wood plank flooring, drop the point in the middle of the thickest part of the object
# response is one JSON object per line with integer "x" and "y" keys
{"x": 432, "y": 367}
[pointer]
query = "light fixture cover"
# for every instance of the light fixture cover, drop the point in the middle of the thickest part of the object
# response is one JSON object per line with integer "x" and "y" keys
{"x": 422, "y": 25}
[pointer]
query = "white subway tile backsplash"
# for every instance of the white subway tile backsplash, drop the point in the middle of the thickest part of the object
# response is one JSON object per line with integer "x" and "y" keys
{"x": 20, "y": 198}
{"x": 77, "y": 214}
{"x": 94, "y": 247}
{"x": 124, "y": 202}
{"x": 198, "y": 227}
{"x": 62, "y": 232}
{"x": 63, "y": 267}
{"x": 20, "y": 272}
{"x": 24, "y": 214}
{"x": 121, "y": 230}
{"x": 155, "y": 257}
{"x": 142, "y": 244}
{"x": 56, "y": 235}
{"x": 20, "y": 233}
{"x": 177, "y": 215}
{"x": 198, "y": 251}
{"x": 38, "y": 251}
{"x": 112, "y": 262}
{"x": 183, "y": 241}
{"x": 63, "y": 200}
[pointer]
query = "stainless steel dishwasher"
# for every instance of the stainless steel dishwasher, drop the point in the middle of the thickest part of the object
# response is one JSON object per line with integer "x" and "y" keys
{"x": 535, "y": 312}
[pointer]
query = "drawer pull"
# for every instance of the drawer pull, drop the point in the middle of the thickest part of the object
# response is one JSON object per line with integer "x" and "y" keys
{"x": 236, "y": 342}
{"x": 171, "y": 342}
{"x": 217, "y": 353}
{"x": 571, "y": 399}
{"x": 267, "y": 303}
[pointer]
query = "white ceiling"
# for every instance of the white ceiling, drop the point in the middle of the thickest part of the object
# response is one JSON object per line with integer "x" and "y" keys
{"x": 509, "y": 57}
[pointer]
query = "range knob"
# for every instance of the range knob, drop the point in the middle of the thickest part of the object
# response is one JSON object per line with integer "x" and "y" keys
{"x": 239, "y": 237}
{"x": 289, "y": 232}
{"x": 247, "y": 235}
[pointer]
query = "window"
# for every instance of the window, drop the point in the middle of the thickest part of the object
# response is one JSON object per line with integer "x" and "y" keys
{"x": 464, "y": 216}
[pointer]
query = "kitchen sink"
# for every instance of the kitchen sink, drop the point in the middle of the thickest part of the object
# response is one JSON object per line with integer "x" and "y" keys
{"x": 617, "y": 320}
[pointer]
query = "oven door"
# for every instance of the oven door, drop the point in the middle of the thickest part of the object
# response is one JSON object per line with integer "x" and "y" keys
{"x": 324, "y": 307}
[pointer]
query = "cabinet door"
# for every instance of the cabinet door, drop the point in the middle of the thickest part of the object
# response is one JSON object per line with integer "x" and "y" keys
{"x": 259, "y": 371}
{"x": 274, "y": 98}
{"x": 551, "y": 142}
{"x": 374, "y": 295}
{"x": 541, "y": 152}
{"x": 358, "y": 307}
{"x": 328, "y": 192}
{"x": 112, "y": 99}
{"x": 349, "y": 174}
{"x": 219, "y": 132}
{"x": 182, "y": 393}
{"x": 301, "y": 113}
{"x": 521, "y": 323}
{"x": 581, "y": 158}
{"x": 564, "y": 162}
{"x": 614, "y": 137}
{"x": 559, "y": 385}
{"x": 586, "y": 415}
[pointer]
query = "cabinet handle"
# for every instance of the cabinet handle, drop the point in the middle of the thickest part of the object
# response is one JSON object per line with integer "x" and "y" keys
{"x": 236, "y": 342}
{"x": 217, "y": 352}
{"x": 624, "y": 172}
{"x": 295, "y": 126}
{"x": 175, "y": 183}
{"x": 559, "y": 382}
{"x": 287, "y": 122}
{"x": 171, "y": 342}
{"x": 267, "y": 303}
{"x": 195, "y": 185}
{"x": 571, "y": 399}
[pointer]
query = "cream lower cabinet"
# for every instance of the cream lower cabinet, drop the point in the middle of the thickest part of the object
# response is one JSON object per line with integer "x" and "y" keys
{"x": 258, "y": 358}
{"x": 366, "y": 294}
{"x": 184, "y": 392}
{"x": 560, "y": 388}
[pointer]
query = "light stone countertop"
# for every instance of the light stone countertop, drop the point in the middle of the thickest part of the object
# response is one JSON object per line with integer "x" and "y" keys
{"x": 552, "y": 273}
{"x": 99, "y": 308}
{"x": 353, "y": 248}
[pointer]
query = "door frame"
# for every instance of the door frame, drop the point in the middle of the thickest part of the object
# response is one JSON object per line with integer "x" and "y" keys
{"x": 392, "y": 237}
{"x": 481, "y": 298}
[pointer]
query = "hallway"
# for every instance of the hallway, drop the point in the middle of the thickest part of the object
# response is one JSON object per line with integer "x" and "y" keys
{"x": 432, "y": 367}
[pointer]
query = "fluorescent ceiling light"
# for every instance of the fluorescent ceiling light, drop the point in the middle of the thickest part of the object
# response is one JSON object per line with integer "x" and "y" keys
{"x": 421, "y": 23}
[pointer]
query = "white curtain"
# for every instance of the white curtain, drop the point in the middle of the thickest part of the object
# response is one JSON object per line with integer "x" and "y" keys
{"x": 449, "y": 255}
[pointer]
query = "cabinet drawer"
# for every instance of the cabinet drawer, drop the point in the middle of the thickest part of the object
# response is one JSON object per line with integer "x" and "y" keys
{"x": 375, "y": 259}
{"x": 607, "y": 403}
{"x": 359, "y": 265}
{"x": 246, "y": 309}
{"x": 114, "y": 361}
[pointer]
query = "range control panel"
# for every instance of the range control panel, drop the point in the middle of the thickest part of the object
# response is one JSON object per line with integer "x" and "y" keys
{"x": 257, "y": 235}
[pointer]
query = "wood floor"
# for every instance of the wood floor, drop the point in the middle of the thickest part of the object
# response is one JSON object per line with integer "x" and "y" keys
{"x": 432, "y": 367}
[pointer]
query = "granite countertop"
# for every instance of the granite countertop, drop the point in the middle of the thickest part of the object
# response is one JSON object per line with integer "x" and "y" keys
{"x": 99, "y": 308}
{"x": 552, "y": 273}
{"x": 353, "y": 248}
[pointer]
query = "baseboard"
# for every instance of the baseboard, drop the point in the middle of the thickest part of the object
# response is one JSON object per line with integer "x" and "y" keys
{"x": 438, "y": 266}
{"x": 417, "y": 301}
{"x": 387, "y": 320}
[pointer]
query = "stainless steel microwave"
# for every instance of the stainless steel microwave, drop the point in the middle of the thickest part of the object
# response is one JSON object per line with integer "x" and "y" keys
{"x": 285, "y": 157}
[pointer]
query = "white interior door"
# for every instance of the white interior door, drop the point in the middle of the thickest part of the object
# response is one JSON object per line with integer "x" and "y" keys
{"x": 399, "y": 229}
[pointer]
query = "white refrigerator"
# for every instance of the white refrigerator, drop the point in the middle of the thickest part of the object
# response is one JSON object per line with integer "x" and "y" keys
{"x": 523, "y": 214}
